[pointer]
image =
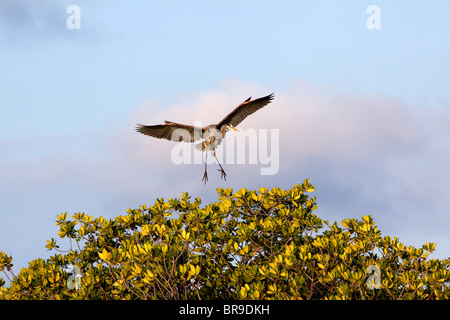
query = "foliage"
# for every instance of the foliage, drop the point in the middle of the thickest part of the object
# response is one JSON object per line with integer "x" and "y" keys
{"x": 248, "y": 245}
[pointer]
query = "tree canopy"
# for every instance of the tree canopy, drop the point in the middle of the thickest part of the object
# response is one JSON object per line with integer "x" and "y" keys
{"x": 265, "y": 244}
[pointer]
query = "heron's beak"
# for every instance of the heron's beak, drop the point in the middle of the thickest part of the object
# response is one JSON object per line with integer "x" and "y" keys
{"x": 233, "y": 128}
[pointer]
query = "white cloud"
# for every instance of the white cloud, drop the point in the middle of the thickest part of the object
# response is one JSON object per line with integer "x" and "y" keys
{"x": 367, "y": 154}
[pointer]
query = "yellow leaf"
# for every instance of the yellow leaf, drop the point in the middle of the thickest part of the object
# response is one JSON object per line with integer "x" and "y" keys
{"x": 272, "y": 288}
{"x": 192, "y": 271}
{"x": 243, "y": 292}
{"x": 145, "y": 230}
{"x": 105, "y": 255}
{"x": 262, "y": 271}
{"x": 185, "y": 235}
{"x": 197, "y": 270}
{"x": 137, "y": 269}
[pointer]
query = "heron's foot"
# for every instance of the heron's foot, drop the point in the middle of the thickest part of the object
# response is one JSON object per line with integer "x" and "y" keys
{"x": 205, "y": 177}
{"x": 223, "y": 174}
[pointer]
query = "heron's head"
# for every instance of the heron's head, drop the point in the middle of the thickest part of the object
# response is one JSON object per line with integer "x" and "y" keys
{"x": 230, "y": 127}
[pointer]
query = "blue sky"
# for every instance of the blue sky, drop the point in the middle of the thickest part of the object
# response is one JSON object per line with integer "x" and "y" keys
{"x": 365, "y": 114}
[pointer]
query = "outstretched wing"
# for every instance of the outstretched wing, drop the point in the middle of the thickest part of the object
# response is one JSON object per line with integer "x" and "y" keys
{"x": 245, "y": 109}
{"x": 172, "y": 131}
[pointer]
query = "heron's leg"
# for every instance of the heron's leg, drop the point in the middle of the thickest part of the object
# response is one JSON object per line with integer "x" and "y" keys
{"x": 205, "y": 176}
{"x": 223, "y": 174}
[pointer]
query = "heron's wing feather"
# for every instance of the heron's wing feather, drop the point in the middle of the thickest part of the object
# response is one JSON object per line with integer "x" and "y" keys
{"x": 245, "y": 109}
{"x": 172, "y": 131}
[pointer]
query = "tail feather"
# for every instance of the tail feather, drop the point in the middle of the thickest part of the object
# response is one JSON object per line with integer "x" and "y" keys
{"x": 203, "y": 146}
{"x": 200, "y": 146}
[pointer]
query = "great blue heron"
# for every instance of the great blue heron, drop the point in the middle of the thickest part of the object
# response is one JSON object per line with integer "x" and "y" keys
{"x": 212, "y": 134}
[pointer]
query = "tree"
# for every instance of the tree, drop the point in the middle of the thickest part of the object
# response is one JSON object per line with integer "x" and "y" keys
{"x": 248, "y": 245}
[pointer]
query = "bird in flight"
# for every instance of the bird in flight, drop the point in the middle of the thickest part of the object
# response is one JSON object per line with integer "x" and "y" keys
{"x": 212, "y": 134}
